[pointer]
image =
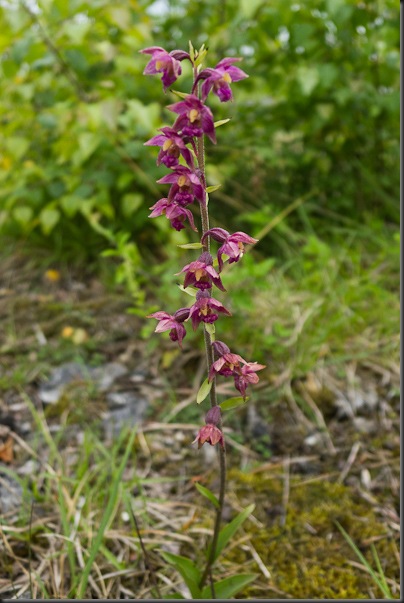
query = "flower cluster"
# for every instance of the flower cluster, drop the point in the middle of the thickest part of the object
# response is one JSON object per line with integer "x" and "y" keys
{"x": 180, "y": 153}
{"x": 230, "y": 365}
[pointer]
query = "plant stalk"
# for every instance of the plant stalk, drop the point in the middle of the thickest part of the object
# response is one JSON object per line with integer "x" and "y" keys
{"x": 209, "y": 360}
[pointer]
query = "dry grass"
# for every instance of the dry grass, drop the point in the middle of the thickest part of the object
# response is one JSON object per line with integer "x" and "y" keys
{"x": 77, "y": 491}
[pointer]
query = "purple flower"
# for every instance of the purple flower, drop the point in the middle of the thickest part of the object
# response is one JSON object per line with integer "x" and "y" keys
{"x": 230, "y": 365}
{"x": 172, "y": 323}
{"x": 226, "y": 365}
{"x": 220, "y": 78}
{"x": 185, "y": 186}
{"x": 166, "y": 63}
{"x": 206, "y": 309}
{"x": 175, "y": 213}
{"x": 201, "y": 274}
{"x": 195, "y": 118}
{"x": 172, "y": 145}
{"x": 233, "y": 245}
{"x": 246, "y": 375}
{"x": 211, "y": 434}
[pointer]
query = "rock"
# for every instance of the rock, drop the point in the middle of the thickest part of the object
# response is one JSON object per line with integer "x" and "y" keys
{"x": 101, "y": 377}
{"x": 127, "y": 409}
{"x": 104, "y": 376}
{"x": 119, "y": 399}
{"x": 30, "y": 467}
{"x": 10, "y": 495}
{"x": 314, "y": 439}
{"x": 363, "y": 425}
{"x": 51, "y": 391}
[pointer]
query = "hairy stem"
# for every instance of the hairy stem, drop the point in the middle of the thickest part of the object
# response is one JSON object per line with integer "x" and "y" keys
{"x": 219, "y": 512}
{"x": 200, "y": 154}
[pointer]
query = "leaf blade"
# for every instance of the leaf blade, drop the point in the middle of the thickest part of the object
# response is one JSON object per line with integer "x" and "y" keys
{"x": 204, "y": 390}
{"x": 208, "y": 494}
{"x": 233, "y": 402}
{"x": 228, "y": 531}
{"x": 212, "y": 189}
{"x": 221, "y": 122}
{"x": 180, "y": 94}
{"x": 189, "y": 572}
{"x": 189, "y": 290}
{"x": 226, "y": 588}
{"x": 191, "y": 246}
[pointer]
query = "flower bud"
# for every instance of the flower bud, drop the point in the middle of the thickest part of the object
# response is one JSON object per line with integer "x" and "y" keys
{"x": 213, "y": 416}
{"x": 206, "y": 258}
{"x": 181, "y": 315}
{"x": 220, "y": 348}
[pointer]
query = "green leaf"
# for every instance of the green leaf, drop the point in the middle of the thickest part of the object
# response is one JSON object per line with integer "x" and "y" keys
{"x": 48, "y": 219}
{"x": 23, "y": 214}
{"x": 202, "y": 52}
{"x": 71, "y": 204}
{"x": 87, "y": 144}
{"x": 233, "y": 402}
{"x": 211, "y": 189}
{"x": 188, "y": 571}
{"x": 191, "y": 246}
{"x": 75, "y": 31}
{"x": 208, "y": 494}
{"x": 226, "y": 588}
{"x": 249, "y": 7}
{"x": 131, "y": 203}
{"x": 191, "y": 50}
{"x": 180, "y": 94}
{"x": 17, "y": 146}
{"x": 308, "y": 78}
{"x": 204, "y": 390}
{"x": 228, "y": 531}
{"x": 189, "y": 290}
{"x": 221, "y": 122}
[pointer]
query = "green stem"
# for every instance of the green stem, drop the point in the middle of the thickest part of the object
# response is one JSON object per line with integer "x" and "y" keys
{"x": 209, "y": 360}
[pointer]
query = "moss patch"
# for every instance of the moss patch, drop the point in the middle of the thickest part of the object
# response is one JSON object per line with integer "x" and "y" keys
{"x": 304, "y": 551}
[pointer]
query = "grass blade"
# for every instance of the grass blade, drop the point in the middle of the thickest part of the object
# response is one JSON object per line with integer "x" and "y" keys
{"x": 380, "y": 583}
{"x": 96, "y": 544}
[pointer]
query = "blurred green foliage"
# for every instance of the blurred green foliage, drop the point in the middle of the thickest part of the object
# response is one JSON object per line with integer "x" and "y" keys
{"x": 318, "y": 116}
{"x": 308, "y": 163}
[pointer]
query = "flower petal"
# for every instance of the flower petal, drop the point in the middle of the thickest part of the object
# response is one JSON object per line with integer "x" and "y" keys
{"x": 218, "y": 234}
{"x": 242, "y": 237}
{"x": 159, "y": 315}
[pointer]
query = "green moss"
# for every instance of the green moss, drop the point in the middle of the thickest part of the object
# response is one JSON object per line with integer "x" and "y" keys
{"x": 304, "y": 551}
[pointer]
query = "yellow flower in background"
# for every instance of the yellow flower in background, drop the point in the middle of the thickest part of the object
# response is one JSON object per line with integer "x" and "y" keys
{"x": 77, "y": 336}
{"x": 53, "y": 276}
{"x": 67, "y": 332}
